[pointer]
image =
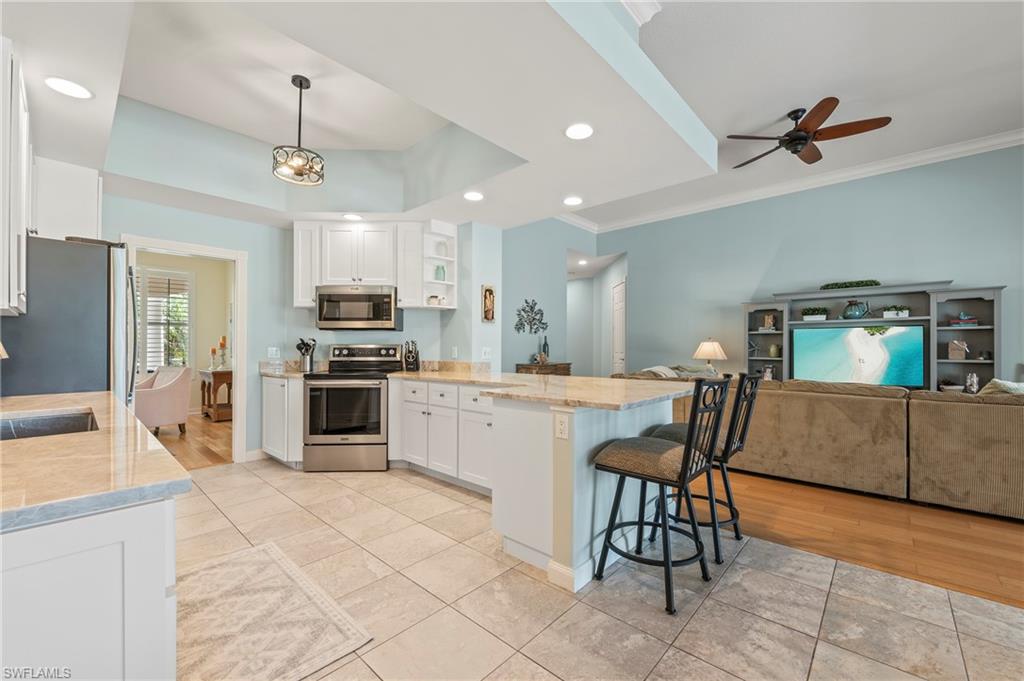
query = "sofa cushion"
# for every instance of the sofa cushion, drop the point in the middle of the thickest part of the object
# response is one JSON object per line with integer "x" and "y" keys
{"x": 998, "y": 387}
{"x": 854, "y": 389}
{"x": 967, "y": 398}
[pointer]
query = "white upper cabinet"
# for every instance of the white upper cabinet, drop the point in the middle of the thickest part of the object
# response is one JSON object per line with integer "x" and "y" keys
{"x": 376, "y": 255}
{"x": 409, "y": 270}
{"x": 68, "y": 200}
{"x": 16, "y": 181}
{"x": 340, "y": 243}
{"x": 417, "y": 258}
{"x": 306, "y": 262}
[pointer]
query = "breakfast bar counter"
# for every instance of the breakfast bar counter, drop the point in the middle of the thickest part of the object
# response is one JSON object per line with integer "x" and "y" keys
{"x": 549, "y": 503}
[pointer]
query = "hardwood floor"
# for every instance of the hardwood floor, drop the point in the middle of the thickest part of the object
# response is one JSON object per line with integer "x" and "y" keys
{"x": 965, "y": 552}
{"x": 204, "y": 443}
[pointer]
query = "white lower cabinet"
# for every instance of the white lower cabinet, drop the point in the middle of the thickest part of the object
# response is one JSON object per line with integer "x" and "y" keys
{"x": 443, "y": 439}
{"x": 444, "y": 427}
{"x": 282, "y": 418}
{"x": 475, "y": 430}
{"x": 414, "y": 432}
{"x": 92, "y": 597}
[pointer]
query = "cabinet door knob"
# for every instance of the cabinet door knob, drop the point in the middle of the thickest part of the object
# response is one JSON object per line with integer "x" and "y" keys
{"x": 424, "y": 413}
{"x": 441, "y": 394}
{"x": 476, "y": 399}
{"x": 489, "y": 424}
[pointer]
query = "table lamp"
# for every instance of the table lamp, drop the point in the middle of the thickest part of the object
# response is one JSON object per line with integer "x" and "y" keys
{"x": 3, "y": 353}
{"x": 709, "y": 350}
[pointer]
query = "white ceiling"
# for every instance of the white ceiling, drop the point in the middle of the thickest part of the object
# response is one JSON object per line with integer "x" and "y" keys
{"x": 83, "y": 42}
{"x": 595, "y": 264}
{"x": 218, "y": 65}
{"x": 946, "y": 72}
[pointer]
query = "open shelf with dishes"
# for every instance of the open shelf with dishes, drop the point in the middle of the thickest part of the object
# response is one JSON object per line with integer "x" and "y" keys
{"x": 440, "y": 274}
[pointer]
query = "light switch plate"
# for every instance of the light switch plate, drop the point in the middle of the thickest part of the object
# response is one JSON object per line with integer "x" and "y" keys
{"x": 455, "y": 352}
{"x": 485, "y": 353}
{"x": 273, "y": 353}
{"x": 562, "y": 426}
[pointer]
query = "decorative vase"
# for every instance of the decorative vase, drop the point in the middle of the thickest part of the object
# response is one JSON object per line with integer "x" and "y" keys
{"x": 440, "y": 273}
{"x": 815, "y": 317}
{"x": 855, "y": 309}
{"x": 544, "y": 348}
{"x": 774, "y": 350}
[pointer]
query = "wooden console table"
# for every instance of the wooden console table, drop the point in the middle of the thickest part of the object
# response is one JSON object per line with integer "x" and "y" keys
{"x": 210, "y": 384}
{"x": 551, "y": 368}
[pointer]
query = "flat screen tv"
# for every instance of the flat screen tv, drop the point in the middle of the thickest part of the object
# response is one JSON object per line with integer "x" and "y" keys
{"x": 879, "y": 355}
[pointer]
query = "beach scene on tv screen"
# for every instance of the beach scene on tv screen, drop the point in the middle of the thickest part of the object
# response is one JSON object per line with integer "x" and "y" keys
{"x": 879, "y": 355}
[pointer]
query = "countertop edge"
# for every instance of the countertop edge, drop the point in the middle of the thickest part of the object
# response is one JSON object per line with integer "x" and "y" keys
{"x": 25, "y": 517}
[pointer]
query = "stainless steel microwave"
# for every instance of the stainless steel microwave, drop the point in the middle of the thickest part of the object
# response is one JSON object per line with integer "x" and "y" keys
{"x": 358, "y": 307}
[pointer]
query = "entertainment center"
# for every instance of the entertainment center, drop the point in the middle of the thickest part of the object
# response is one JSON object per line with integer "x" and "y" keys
{"x": 908, "y": 345}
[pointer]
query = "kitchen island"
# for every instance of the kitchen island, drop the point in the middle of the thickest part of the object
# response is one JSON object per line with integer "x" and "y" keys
{"x": 87, "y": 538}
{"x": 542, "y": 432}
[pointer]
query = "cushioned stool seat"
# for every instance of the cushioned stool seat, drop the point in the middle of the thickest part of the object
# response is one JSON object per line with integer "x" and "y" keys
{"x": 647, "y": 457}
{"x": 676, "y": 432}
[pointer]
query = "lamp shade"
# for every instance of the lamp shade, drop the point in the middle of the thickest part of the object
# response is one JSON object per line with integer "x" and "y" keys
{"x": 3, "y": 352}
{"x": 709, "y": 349}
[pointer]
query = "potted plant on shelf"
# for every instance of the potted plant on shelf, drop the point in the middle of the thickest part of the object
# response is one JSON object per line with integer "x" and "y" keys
{"x": 814, "y": 314}
{"x": 895, "y": 312}
{"x": 530, "y": 319}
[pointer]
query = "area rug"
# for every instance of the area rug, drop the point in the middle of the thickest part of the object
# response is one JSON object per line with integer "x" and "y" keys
{"x": 255, "y": 615}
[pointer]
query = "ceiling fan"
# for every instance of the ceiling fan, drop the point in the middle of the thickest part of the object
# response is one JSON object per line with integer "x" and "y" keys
{"x": 807, "y": 130}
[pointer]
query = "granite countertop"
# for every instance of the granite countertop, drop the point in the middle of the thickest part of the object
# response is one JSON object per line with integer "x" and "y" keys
{"x": 281, "y": 374}
{"x": 566, "y": 391}
{"x": 54, "y": 477}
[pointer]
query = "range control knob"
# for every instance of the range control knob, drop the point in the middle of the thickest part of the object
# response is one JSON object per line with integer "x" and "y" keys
{"x": 344, "y": 351}
{"x": 383, "y": 351}
{"x": 391, "y": 352}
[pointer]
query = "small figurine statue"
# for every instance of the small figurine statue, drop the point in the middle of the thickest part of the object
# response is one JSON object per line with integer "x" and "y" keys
{"x": 971, "y": 384}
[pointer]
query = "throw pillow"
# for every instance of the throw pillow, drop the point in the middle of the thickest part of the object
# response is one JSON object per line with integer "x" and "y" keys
{"x": 998, "y": 387}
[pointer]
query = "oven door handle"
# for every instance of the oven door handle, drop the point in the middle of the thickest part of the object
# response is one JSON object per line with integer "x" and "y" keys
{"x": 342, "y": 384}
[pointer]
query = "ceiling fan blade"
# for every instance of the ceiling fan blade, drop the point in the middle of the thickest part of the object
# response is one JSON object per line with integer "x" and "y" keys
{"x": 753, "y": 137}
{"x": 813, "y": 119}
{"x": 748, "y": 162}
{"x": 810, "y": 154}
{"x": 852, "y": 128}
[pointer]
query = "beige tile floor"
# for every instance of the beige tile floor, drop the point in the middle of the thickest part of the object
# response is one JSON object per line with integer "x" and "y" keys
{"x": 412, "y": 558}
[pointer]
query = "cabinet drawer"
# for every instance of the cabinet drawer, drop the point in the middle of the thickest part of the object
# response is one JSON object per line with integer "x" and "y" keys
{"x": 444, "y": 395}
{"x": 470, "y": 399}
{"x": 414, "y": 391}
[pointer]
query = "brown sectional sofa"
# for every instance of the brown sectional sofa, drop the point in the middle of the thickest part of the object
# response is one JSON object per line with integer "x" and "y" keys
{"x": 963, "y": 451}
{"x": 967, "y": 451}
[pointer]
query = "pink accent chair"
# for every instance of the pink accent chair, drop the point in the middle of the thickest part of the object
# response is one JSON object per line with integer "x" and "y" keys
{"x": 163, "y": 398}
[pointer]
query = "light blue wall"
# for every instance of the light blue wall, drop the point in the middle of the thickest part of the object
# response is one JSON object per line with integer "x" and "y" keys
{"x": 450, "y": 160}
{"x": 534, "y": 266}
{"x": 272, "y": 319}
{"x": 603, "y": 283}
{"x": 961, "y": 220}
{"x": 480, "y": 249}
{"x": 270, "y": 315}
{"x": 580, "y": 334}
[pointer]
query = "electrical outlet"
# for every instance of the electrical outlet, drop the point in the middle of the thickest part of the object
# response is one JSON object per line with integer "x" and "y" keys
{"x": 455, "y": 352}
{"x": 562, "y": 426}
{"x": 273, "y": 353}
{"x": 485, "y": 353}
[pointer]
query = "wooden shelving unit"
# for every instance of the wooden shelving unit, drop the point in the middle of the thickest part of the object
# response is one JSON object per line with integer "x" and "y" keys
{"x": 753, "y": 318}
{"x": 983, "y": 303}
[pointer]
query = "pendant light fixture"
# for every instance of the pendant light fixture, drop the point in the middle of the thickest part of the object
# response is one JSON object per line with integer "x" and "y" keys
{"x": 297, "y": 164}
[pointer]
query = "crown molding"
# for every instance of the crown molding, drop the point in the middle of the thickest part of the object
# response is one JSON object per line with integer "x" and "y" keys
{"x": 642, "y": 11}
{"x": 579, "y": 221}
{"x": 919, "y": 158}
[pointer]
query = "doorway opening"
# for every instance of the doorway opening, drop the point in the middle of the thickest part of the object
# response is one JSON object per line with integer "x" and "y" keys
{"x": 596, "y": 313}
{"x": 190, "y": 378}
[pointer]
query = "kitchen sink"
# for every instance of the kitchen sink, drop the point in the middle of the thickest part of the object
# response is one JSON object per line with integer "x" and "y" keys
{"x": 28, "y": 425}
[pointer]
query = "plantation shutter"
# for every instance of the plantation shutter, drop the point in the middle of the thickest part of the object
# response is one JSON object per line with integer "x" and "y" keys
{"x": 165, "y": 314}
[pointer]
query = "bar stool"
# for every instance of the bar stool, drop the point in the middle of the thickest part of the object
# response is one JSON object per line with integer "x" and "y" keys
{"x": 665, "y": 463}
{"x": 735, "y": 440}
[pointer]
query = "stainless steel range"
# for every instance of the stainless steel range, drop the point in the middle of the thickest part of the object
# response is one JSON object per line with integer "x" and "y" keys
{"x": 345, "y": 411}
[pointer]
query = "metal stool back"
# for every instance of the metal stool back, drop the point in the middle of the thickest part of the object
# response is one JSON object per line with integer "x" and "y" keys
{"x": 708, "y": 404}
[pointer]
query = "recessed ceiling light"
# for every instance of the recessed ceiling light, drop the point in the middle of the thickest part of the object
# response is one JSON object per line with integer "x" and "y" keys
{"x": 473, "y": 196}
{"x": 68, "y": 87}
{"x": 353, "y": 217}
{"x": 582, "y": 262}
{"x": 579, "y": 131}
{"x": 572, "y": 200}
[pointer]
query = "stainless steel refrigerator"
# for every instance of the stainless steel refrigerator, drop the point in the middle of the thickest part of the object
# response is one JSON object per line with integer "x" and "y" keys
{"x": 79, "y": 332}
